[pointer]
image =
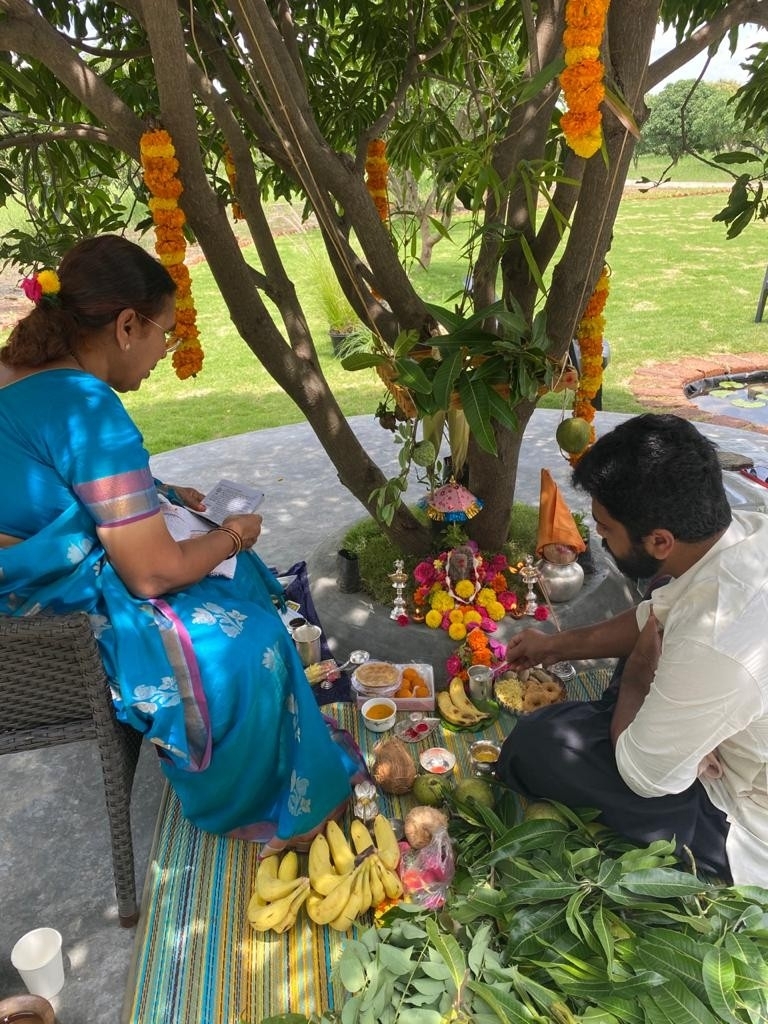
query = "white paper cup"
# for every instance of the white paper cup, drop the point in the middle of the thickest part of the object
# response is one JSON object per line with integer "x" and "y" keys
{"x": 307, "y": 640}
{"x": 37, "y": 957}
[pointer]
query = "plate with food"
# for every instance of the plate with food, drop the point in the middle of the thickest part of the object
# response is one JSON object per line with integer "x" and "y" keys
{"x": 376, "y": 678}
{"x": 459, "y": 713}
{"x": 528, "y": 690}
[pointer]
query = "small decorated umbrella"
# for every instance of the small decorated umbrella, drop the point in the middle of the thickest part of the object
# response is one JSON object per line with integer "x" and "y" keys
{"x": 451, "y": 503}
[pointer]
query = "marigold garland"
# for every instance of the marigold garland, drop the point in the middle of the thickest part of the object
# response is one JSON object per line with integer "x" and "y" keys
{"x": 589, "y": 334}
{"x": 160, "y": 166}
{"x": 229, "y": 167}
{"x": 376, "y": 173}
{"x": 582, "y": 79}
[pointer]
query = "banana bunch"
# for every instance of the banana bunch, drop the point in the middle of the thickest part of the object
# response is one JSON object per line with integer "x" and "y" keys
{"x": 348, "y": 879}
{"x": 279, "y": 894}
{"x": 456, "y": 707}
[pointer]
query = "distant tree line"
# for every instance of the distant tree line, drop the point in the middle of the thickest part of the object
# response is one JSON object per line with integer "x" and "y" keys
{"x": 696, "y": 117}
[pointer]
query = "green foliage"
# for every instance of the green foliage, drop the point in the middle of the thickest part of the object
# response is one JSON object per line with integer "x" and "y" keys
{"x": 376, "y": 553}
{"x": 689, "y": 116}
{"x": 561, "y": 921}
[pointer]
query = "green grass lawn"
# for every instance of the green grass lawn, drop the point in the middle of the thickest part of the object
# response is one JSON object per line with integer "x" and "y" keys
{"x": 678, "y": 288}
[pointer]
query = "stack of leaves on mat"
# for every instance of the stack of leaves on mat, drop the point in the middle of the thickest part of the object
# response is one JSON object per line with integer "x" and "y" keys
{"x": 556, "y": 919}
{"x": 344, "y": 880}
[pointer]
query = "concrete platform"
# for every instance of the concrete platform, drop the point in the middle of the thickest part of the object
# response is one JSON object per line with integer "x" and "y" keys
{"x": 55, "y": 865}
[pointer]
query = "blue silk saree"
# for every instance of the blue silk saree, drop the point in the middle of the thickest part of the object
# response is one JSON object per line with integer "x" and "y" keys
{"x": 208, "y": 674}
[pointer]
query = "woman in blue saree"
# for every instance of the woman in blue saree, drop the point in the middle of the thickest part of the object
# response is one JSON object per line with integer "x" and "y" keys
{"x": 201, "y": 664}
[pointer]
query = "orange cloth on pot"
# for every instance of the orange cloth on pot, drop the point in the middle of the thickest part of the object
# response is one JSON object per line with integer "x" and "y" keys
{"x": 556, "y": 524}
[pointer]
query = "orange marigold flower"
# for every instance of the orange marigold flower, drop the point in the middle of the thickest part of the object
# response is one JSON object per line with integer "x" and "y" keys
{"x": 160, "y": 168}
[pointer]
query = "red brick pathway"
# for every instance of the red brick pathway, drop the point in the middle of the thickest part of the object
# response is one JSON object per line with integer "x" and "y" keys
{"x": 659, "y": 386}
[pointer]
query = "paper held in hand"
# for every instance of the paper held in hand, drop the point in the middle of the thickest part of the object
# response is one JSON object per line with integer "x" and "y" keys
{"x": 227, "y": 498}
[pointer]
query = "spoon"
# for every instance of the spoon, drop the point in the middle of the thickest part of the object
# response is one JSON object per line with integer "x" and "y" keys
{"x": 355, "y": 658}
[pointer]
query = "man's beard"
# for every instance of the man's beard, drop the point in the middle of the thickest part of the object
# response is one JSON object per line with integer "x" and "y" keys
{"x": 638, "y": 564}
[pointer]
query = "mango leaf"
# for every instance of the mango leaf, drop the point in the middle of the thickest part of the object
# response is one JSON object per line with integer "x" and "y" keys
{"x": 675, "y": 955}
{"x": 719, "y": 977}
{"x": 542, "y": 78}
{"x": 405, "y": 342}
{"x": 475, "y": 403}
{"x": 363, "y": 360}
{"x": 545, "y": 889}
{"x": 450, "y": 951}
{"x": 601, "y": 925}
{"x": 660, "y": 882}
{"x": 507, "y": 1008}
{"x": 445, "y": 378}
{"x": 501, "y": 411}
{"x": 678, "y": 1004}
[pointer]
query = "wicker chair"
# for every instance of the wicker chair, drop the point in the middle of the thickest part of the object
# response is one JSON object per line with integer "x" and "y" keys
{"x": 53, "y": 690}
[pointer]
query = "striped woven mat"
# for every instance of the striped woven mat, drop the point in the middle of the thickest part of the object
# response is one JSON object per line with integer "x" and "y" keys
{"x": 197, "y": 959}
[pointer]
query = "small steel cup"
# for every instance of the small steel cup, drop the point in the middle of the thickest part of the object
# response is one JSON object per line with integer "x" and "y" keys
{"x": 307, "y": 640}
{"x": 480, "y": 682}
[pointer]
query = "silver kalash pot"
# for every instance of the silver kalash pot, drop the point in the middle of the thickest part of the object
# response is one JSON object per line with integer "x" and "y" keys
{"x": 561, "y": 580}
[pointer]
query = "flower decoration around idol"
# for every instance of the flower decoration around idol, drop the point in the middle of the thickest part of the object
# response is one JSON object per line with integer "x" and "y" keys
{"x": 160, "y": 167}
{"x": 474, "y": 597}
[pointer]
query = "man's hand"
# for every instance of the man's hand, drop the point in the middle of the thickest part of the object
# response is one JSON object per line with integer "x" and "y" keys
{"x": 528, "y": 648}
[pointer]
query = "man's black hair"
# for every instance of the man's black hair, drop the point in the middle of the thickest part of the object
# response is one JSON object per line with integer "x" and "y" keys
{"x": 657, "y": 472}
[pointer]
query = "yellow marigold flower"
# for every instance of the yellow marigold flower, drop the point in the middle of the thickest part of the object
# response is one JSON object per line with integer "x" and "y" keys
{"x": 456, "y": 615}
{"x": 49, "y": 282}
{"x": 442, "y": 602}
{"x": 485, "y": 597}
{"x": 464, "y": 589}
{"x": 470, "y": 616}
{"x": 457, "y": 631}
{"x": 496, "y": 611}
{"x": 433, "y": 619}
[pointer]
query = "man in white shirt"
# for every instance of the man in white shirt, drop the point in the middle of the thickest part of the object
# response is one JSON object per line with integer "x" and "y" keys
{"x": 678, "y": 745}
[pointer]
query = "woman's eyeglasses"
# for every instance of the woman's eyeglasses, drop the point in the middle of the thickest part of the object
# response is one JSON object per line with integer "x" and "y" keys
{"x": 172, "y": 340}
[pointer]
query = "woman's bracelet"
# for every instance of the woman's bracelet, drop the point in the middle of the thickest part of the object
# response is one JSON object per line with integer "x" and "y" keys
{"x": 238, "y": 540}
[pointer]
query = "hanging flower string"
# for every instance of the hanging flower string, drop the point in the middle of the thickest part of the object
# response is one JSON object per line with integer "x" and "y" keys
{"x": 229, "y": 167}
{"x": 589, "y": 334}
{"x": 159, "y": 163}
{"x": 376, "y": 173}
{"x": 582, "y": 79}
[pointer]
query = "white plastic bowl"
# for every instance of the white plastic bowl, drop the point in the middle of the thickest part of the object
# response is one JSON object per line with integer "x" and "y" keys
{"x": 379, "y": 724}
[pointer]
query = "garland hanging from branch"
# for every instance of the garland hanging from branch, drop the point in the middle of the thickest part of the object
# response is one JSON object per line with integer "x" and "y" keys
{"x": 589, "y": 335}
{"x": 582, "y": 79}
{"x": 229, "y": 167}
{"x": 376, "y": 172}
{"x": 160, "y": 166}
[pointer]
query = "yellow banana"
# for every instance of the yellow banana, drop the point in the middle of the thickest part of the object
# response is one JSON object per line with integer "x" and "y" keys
{"x": 366, "y": 896}
{"x": 273, "y": 915}
{"x": 319, "y": 859}
{"x": 288, "y": 868}
{"x": 293, "y": 911}
{"x": 451, "y": 713}
{"x": 324, "y": 909}
{"x": 354, "y": 905}
{"x": 386, "y": 842}
{"x": 393, "y": 887}
{"x": 268, "y": 885}
{"x": 341, "y": 852}
{"x": 378, "y": 895}
{"x": 361, "y": 837}
{"x": 459, "y": 697}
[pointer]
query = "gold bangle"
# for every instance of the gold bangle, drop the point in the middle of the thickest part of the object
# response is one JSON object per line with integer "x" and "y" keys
{"x": 238, "y": 540}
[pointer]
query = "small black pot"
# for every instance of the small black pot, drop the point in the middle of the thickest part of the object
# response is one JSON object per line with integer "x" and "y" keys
{"x": 348, "y": 572}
